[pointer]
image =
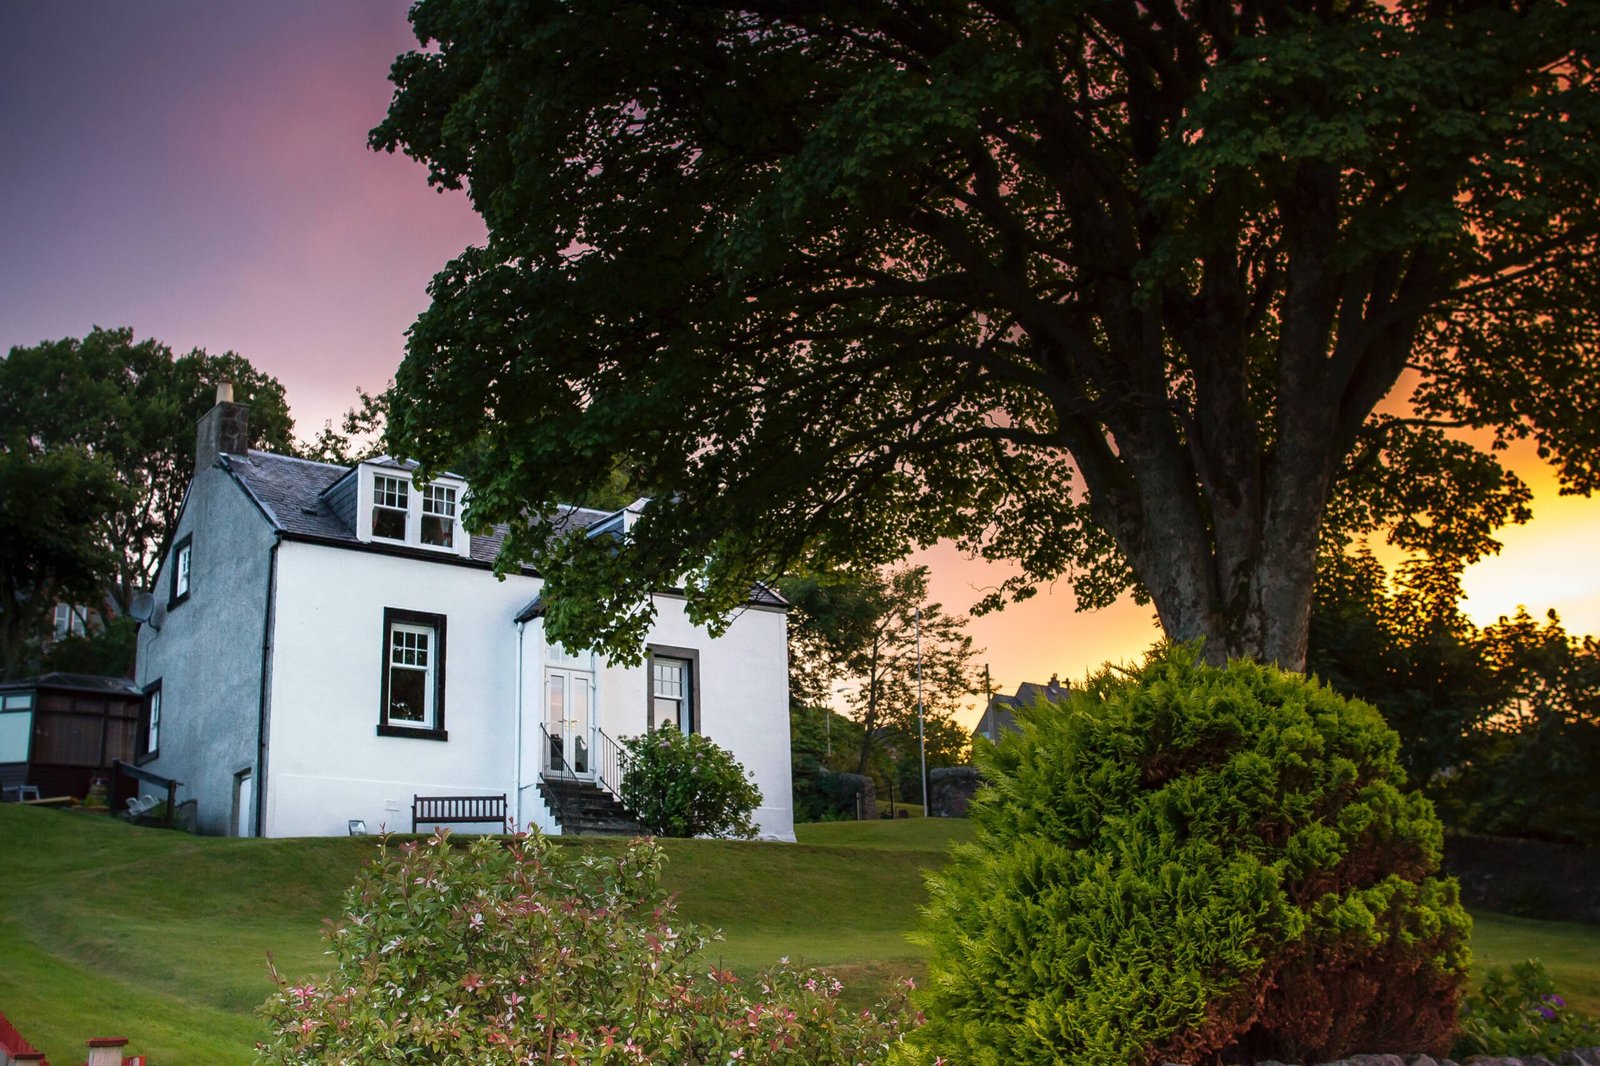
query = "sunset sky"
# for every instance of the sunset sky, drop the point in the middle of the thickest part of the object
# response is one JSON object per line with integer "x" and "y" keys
{"x": 198, "y": 170}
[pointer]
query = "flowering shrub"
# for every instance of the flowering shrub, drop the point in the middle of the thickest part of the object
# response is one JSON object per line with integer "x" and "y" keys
{"x": 522, "y": 951}
{"x": 1519, "y": 1012}
{"x": 680, "y": 785}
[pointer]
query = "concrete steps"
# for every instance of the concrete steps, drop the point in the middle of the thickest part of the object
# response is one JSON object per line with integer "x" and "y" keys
{"x": 583, "y": 807}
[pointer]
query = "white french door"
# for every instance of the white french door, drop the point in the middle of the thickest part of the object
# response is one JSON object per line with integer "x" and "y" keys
{"x": 569, "y": 723}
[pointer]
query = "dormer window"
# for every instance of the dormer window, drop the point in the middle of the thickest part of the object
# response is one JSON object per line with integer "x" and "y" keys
{"x": 438, "y": 515}
{"x": 390, "y": 502}
{"x": 390, "y": 507}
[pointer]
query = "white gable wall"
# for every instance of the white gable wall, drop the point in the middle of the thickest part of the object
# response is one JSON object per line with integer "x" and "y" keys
{"x": 206, "y": 651}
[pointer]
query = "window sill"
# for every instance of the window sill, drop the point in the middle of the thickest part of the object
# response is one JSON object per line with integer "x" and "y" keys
{"x": 412, "y": 732}
{"x": 418, "y": 545}
{"x": 148, "y": 757}
{"x": 174, "y": 603}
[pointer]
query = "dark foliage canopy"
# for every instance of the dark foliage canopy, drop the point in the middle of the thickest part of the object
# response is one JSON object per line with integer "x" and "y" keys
{"x": 1495, "y": 724}
{"x": 97, "y": 444}
{"x": 1112, "y": 289}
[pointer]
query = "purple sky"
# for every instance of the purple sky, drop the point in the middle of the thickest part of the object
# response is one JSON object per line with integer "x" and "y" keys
{"x": 198, "y": 170}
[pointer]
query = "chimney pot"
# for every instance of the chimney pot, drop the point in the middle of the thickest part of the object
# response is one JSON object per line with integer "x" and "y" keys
{"x": 224, "y": 392}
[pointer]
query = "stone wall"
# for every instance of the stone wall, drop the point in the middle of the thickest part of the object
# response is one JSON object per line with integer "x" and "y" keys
{"x": 950, "y": 789}
{"x": 865, "y": 795}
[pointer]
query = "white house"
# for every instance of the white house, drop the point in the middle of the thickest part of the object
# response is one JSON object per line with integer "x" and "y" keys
{"x": 329, "y": 643}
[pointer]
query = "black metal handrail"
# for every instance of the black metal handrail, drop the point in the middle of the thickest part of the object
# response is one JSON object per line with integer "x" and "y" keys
{"x": 612, "y": 764}
{"x": 554, "y": 760}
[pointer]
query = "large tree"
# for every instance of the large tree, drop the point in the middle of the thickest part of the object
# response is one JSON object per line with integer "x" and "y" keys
{"x": 1111, "y": 288}
{"x": 132, "y": 407}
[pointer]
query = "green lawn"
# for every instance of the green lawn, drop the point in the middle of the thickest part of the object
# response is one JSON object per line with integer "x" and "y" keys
{"x": 110, "y": 930}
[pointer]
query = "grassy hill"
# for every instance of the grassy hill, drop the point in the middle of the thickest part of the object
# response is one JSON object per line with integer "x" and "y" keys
{"x": 106, "y": 929}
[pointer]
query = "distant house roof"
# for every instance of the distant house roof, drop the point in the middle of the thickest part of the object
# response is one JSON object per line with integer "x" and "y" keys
{"x": 999, "y": 717}
{"x": 96, "y": 683}
{"x": 292, "y": 494}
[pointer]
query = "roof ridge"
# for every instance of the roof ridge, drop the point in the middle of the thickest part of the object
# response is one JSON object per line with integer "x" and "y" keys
{"x": 300, "y": 459}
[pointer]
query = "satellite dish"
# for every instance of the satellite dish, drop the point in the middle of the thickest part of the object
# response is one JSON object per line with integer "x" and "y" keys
{"x": 143, "y": 607}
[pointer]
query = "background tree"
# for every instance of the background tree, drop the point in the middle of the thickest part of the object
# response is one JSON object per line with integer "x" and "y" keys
{"x": 1406, "y": 648}
{"x": 1112, "y": 289}
{"x": 1529, "y": 765}
{"x": 50, "y": 503}
{"x": 861, "y": 630}
{"x": 131, "y": 407}
{"x": 1495, "y": 724}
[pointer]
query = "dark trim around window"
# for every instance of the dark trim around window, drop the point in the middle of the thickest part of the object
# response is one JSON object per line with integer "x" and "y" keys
{"x": 173, "y": 596}
{"x": 688, "y": 655}
{"x": 436, "y": 622}
{"x": 152, "y": 695}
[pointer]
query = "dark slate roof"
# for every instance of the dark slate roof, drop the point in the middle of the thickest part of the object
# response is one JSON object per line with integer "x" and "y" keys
{"x": 114, "y": 686}
{"x": 290, "y": 491}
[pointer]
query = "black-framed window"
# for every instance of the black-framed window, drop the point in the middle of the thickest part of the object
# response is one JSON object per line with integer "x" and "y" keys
{"x": 674, "y": 682}
{"x": 150, "y": 722}
{"x": 182, "y": 559}
{"x": 413, "y": 675}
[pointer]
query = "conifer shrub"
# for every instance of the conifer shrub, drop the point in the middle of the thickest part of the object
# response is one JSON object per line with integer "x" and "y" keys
{"x": 1182, "y": 861}
{"x": 518, "y": 950}
{"x": 686, "y": 785}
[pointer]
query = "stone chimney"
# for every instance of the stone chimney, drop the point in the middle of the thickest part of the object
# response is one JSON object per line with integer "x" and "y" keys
{"x": 225, "y": 429}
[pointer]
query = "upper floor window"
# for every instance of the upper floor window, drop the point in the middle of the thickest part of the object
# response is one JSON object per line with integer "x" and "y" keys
{"x": 390, "y": 502}
{"x": 438, "y": 515}
{"x": 181, "y": 558}
{"x": 71, "y": 620}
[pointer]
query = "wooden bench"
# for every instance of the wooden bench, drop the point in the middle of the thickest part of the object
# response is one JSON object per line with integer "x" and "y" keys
{"x": 439, "y": 810}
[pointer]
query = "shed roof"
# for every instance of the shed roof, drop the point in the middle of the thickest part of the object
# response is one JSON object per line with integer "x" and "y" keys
{"x": 96, "y": 683}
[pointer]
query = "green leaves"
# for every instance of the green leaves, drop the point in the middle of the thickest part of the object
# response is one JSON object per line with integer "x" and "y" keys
{"x": 50, "y": 505}
{"x": 131, "y": 406}
{"x": 686, "y": 785}
{"x": 1108, "y": 290}
{"x": 1183, "y": 860}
